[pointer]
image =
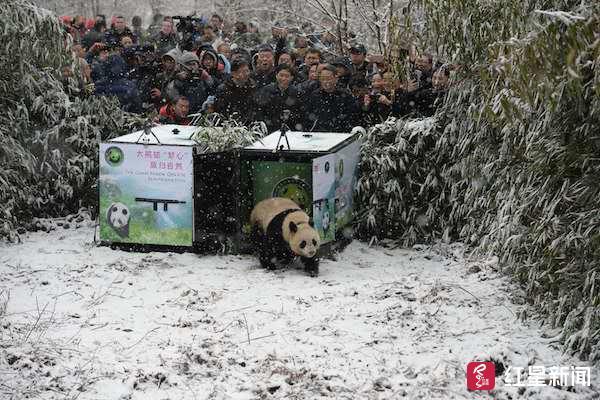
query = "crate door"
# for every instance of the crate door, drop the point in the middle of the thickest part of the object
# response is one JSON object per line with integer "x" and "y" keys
{"x": 216, "y": 194}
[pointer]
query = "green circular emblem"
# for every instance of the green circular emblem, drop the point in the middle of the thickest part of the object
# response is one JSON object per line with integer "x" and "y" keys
{"x": 294, "y": 189}
{"x": 114, "y": 156}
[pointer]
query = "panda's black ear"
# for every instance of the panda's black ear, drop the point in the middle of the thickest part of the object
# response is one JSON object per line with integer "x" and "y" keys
{"x": 311, "y": 223}
{"x": 293, "y": 227}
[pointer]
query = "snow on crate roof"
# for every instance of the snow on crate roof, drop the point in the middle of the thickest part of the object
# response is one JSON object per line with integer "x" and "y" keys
{"x": 164, "y": 133}
{"x": 302, "y": 141}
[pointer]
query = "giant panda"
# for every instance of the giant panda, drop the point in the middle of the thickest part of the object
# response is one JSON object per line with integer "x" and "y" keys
{"x": 281, "y": 230}
{"x": 325, "y": 218}
{"x": 117, "y": 217}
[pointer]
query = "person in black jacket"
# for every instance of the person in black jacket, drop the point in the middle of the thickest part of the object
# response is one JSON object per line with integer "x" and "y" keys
{"x": 264, "y": 69}
{"x": 191, "y": 81}
{"x": 96, "y": 35}
{"x": 236, "y": 96}
{"x": 274, "y": 99}
{"x": 119, "y": 29}
{"x": 329, "y": 109}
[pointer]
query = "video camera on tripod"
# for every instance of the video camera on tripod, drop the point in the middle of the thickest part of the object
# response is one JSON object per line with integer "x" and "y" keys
{"x": 187, "y": 27}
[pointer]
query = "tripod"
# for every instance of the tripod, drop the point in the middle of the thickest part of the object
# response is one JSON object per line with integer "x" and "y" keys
{"x": 283, "y": 131}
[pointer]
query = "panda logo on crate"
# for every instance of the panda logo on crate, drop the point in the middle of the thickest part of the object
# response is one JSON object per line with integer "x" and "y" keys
{"x": 325, "y": 219}
{"x": 117, "y": 217}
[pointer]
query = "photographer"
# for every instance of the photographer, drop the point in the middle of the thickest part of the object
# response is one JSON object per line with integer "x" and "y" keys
{"x": 190, "y": 81}
{"x": 156, "y": 91}
{"x": 190, "y": 30}
{"x": 276, "y": 97}
{"x": 377, "y": 105}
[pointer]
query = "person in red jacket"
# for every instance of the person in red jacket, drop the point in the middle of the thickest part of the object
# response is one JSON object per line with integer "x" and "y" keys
{"x": 175, "y": 113}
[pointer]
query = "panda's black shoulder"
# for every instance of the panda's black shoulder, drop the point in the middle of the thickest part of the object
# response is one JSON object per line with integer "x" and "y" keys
{"x": 275, "y": 227}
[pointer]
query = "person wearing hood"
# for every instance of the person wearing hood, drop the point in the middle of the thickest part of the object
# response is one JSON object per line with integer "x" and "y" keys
{"x": 191, "y": 81}
{"x": 278, "y": 98}
{"x": 224, "y": 49}
{"x": 116, "y": 83}
{"x": 235, "y": 97}
{"x": 210, "y": 62}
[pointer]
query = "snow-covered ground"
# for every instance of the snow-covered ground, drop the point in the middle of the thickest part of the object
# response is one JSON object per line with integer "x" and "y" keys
{"x": 79, "y": 321}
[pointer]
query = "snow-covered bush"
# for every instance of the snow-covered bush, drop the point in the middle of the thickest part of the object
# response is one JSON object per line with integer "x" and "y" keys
{"x": 516, "y": 156}
{"x": 227, "y": 135}
{"x": 400, "y": 192}
{"x": 48, "y": 140}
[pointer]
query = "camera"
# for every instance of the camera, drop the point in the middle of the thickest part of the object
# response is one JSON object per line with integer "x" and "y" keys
{"x": 187, "y": 28}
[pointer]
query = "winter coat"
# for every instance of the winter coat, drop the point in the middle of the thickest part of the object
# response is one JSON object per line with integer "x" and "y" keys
{"x": 306, "y": 88}
{"x": 92, "y": 37}
{"x": 194, "y": 88}
{"x": 233, "y": 99}
{"x": 217, "y": 76}
{"x": 377, "y": 112}
{"x": 163, "y": 43}
{"x": 115, "y": 83}
{"x": 330, "y": 112}
{"x": 263, "y": 79}
{"x": 112, "y": 37}
{"x": 271, "y": 101}
{"x": 167, "y": 115}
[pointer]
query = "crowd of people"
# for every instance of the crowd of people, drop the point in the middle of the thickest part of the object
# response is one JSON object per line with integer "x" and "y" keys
{"x": 182, "y": 66}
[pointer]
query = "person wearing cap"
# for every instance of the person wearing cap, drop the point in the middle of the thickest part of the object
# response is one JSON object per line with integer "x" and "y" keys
{"x": 190, "y": 81}
{"x": 264, "y": 67}
{"x": 329, "y": 109}
{"x": 235, "y": 97}
{"x": 276, "y": 97}
{"x": 343, "y": 69}
{"x": 165, "y": 39}
{"x": 358, "y": 57}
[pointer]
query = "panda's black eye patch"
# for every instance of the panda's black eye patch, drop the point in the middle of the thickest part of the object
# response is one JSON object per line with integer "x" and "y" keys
{"x": 124, "y": 212}
{"x": 115, "y": 209}
{"x": 314, "y": 242}
{"x": 303, "y": 244}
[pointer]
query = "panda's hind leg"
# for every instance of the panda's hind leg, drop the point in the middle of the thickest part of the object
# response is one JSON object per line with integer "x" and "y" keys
{"x": 262, "y": 248}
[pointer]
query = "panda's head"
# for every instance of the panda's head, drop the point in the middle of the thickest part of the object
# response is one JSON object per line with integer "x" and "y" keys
{"x": 118, "y": 216}
{"x": 325, "y": 219}
{"x": 304, "y": 239}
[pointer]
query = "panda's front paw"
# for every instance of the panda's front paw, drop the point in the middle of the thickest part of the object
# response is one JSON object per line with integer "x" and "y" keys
{"x": 268, "y": 263}
{"x": 311, "y": 266}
